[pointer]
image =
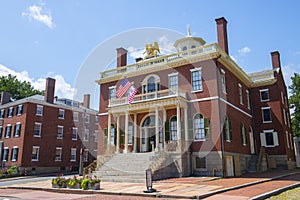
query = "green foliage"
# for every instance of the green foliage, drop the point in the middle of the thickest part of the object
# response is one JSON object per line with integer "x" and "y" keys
{"x": 14, "y": 170}
{"x": 294, "y": 102}
{"x": 16, "y": 88}
{"x": 85, "y": 183}
{"x": 59, "y": 181}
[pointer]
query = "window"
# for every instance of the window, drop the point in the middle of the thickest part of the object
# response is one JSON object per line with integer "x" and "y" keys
{"x": 240, "y": 94}
{"x": 266, "y": 114}
{"x": 37, "y": 129}
{"x": 2, "y": 113}
{"x": 61, "y": 114}
{"x": 8, "y": 131}
{"x": 284, "y": 116}
{"x": 5, "y": 154}
{"x": 287, "y": 139}
{"x": 112, "y": 92}
{"x": 86, "y": 155}
{"x": 74, "y": 133}
{"x": 173, "y": 128}
{"x": 264, "y": 95}
{"x": 60, "y": 132}
{"x": 1, "y": 131}
{"x": 87, "y": 118}
{"x": 35, "y": 153}
{"x": 14, "y": 154}
{"x": 10, "y": 112}
{"x": 58, "y": 153}
{"x": 75, "y": 116}
{"x": 269, "y": 138}
{"x": 173, "y": 83}
{"x": 228, "y": 130}
{"x": 243, "y": 134}
{"x": 291, "y": 140}
{"x": 130, "y": 133}
{"x": 96, "y": 120}
{"x": 184, "y": 48}
{"x": 86, "y": 135}
{"x": 196, "y": 79}
{"x": 199, "y": 127}
{"x": 282, "y": 98}
{"x": 20, "y": 110}
{"x": 39, "y": 110}
{"x": 200, "y": 163}
{"x": 17, "y": 130}
{"x": 223, "y": 81}
{"x": 248, "y": 99}
{"x": 286, "y": 101}
{"x": 96, "y": 136}
{"x": 73, "y": 154}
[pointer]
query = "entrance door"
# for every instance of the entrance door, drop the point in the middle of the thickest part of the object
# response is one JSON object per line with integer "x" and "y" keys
{"x": 148, "y": 134}
{"x": 252, "y": 149}
{"x": 229, "y": 166}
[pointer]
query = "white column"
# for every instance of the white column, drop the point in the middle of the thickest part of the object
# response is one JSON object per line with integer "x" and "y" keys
{"x": 126, "y": 133}
{"x": 118, "y": 135}
{"x": 156, "y": 129}
{"x": 186, "y": 134}
{"x": 109, "y": 130}
{"x": 164, "y": 131}
{"x": 135, "y": 133}
{"x": 178, "y": 123}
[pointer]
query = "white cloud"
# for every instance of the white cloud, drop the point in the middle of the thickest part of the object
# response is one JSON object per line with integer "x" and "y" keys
{"x": 288, "y": 71}
{"x": 37, "y": 13}
{"x": 243, "y": 51}
{"x": 62, "y": 88}
{"x": 135, "y": 52}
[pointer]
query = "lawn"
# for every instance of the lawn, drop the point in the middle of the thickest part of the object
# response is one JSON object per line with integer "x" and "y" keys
{"x": 293, "y": 194}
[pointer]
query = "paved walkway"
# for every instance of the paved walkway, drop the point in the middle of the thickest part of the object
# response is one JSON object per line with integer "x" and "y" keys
{"x": 180, "y": 188}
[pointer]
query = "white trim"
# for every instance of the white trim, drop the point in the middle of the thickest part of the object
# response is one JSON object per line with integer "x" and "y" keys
{"x": 204, "y": 99}
{"x": 264, "y": 90}
{"x": 38, "y": 153}
{"x": 39, "y": 114}
{"x": 173, "y": 74}
{"x": 262, "y": 113}
{"x": 195, "y": 91}
{"x": 63, "y": 113}
{"x": 102, "y": 114}
{"x": 236, "y": 107}
{"x": 196, "y": 69}
{"x": 112, "y": 87}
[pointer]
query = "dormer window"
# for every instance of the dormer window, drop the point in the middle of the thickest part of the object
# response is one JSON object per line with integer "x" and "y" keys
{"x": 184, "y": 48}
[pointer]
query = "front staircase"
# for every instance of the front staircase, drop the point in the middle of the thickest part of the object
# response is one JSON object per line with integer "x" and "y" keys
{"x": 129, "y": 168}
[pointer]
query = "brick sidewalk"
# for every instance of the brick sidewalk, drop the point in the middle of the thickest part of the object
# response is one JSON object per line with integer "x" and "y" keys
{"x": 177, "y": 187}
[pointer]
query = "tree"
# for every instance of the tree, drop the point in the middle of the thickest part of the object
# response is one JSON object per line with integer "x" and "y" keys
{"x": 16, "y": 88}
{"x": 294, "y": 102}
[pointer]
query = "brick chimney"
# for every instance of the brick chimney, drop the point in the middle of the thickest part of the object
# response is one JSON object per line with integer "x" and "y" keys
{"x": 5, "y": 97}
{"x": 222, "y": 33}
{"x": 275, "y": 60}
{"x": 121, "y": 57}
{"x": 49, "y": 90}
{"x": 86, "y": 100}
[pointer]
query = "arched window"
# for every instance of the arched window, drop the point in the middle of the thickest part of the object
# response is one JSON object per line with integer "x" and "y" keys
{"x": 227, "y": 129}
{"x": 199, "y": 127}
{"x": 184, "y": 48}
{"x": 173, "y": 128}
{"x": 151, "y": 84}
{"x": 130, "y": 133}
{"x": 243, "y": 134}
{"x": 112, "y": 134}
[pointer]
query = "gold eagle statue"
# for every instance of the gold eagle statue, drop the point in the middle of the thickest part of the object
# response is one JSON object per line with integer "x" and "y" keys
{"x": 152, "y": 50}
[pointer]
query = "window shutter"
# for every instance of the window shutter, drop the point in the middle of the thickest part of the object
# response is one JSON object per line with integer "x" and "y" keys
{"x": 206, "y": 128}
{"x": 191, "y": 127}
{"x": 275, "y": 138}
{"x": 230, "y": 130}
{"x": 17, "y": 153}
{"x": 167, "y": 131}
{"x": 105, "y": 136}
{"x": 262, "y": 139}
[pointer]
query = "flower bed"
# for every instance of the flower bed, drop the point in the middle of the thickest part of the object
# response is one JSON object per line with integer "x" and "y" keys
{"x": 88, "y": 183}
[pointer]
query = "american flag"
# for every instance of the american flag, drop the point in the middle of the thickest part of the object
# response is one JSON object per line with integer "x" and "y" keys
{"x": 131, "y": 95}
{"x": 123, "y": 88}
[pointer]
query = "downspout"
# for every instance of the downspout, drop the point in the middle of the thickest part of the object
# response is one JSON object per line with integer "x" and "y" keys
{"x": 220, "y": 119}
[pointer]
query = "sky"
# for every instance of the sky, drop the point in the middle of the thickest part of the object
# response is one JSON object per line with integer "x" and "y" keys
{"x": 73, "y": 41}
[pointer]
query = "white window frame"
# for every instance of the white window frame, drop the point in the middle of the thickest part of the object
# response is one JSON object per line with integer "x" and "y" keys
{"x": 76, "y": 130}
{"x": 284, "y": 116}
{"x": 112, "y": 88}
{"x": 18, "y": 110}
{"x": 240, "y": 93}
{"x": 96, "y": 120}
{"x": 6, "y": 135}
{"x": 72, "y": 151}
{"x": 86, "y": 118}
{"x": 75, "y": 116}
{"x": 96, "y": 135}
{"x": 2, "y": 113}
{"x": 173, "y": 88}
{"x": 248, "y": 99}
{"x": 10, "y": 112}
{"x": 282, "y": 98}
{"x": 223, "y": 81}
{"x": 260, "y": 93}
{"x": 12, "y": 153}
{"x": 262, "y": 112}
{"x": 60, "y": 154}
{"x": 130, "y": 133}
{"x": 263, "y": 138}
{"x": 200, "y": 128}
{"x": 60, "y": 135}
{"x": 37, "y": 155}
{"x": 86, "y": 155}
{"x": 18, "y": 123}
{"x": 201, "y": 81}
{"x": 40, "y": 130}
{"x": 86, "y": 134}
{"x": 5, "y": 149}
{"x": 39, "y": 110}
{"x": 243, "y": 133}
{"x": 287, "y": 139}
{"x": 173, "y": 129}
{"x": 61, "y": 112}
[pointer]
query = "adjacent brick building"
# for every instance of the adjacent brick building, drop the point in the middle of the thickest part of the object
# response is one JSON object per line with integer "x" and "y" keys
{"x": 46, "y": 133}
{"x": 198, "y": 107}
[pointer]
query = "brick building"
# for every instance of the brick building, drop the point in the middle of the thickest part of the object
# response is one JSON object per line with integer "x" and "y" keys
{"x": 197, "y": 110}
{"x": 45, "y": 133}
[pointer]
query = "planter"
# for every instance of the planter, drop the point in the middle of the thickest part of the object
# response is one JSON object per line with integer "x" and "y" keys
{"x": 96, "y": 186}
{"x": 76, "y": 186}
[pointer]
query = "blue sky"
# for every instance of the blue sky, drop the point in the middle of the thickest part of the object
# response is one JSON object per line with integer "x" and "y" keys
{"x": 55, "y": 38}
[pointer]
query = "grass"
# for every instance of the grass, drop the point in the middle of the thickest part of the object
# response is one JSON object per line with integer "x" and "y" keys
{"x": 293, "y": 194}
